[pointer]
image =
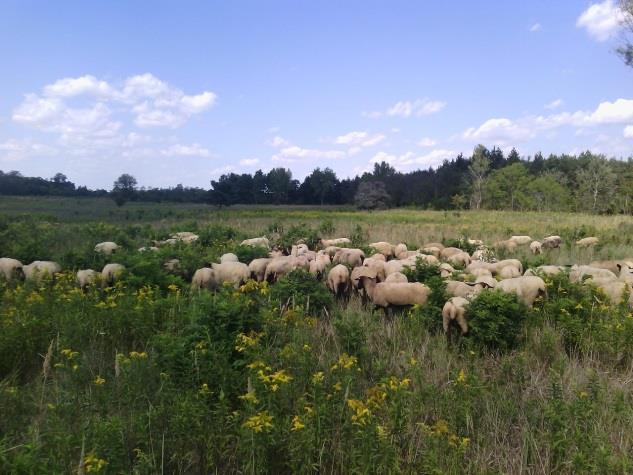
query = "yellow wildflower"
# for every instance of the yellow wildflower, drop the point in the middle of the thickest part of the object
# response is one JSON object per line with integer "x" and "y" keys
{"x": 94, "y": 464}
{"x": 338, "y": 386}
{"x": 99, "y": 381}
{"x": 318, "y": 377}
{"x": 440, "y": 427}
{"x": 413, "y": 361}
{"x": 172, "y": 288}
{"x": 69, "y": 354}
{"x": 138, "y": 356}
{"x": 260, "y": 422}
{"x": 204, "y": 389}
{"x": 345, "y": 361}
{"x": 461, "y": 378}
{"x": 250, "y": 397}
{"x": 382, "y": 432}
{"x": 307, "y": 347}
{"x": 376, "y": 396}
{"x": 583, "y": 394}
{"x": 395, "y": 384}
{"x": 242, "y": 342}
{"x": 297, "y": 424}
{"x": 362, "y": 414}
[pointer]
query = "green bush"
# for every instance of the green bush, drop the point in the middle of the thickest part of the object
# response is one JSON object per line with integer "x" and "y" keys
{"x": 495, "y": 320}
{"x": 299, "y": 232}
{"x": 422, "y": 272}
{"x": 302, "y": 289}
{"x": 248, "y": 253}
{"x": 462, "y": 243}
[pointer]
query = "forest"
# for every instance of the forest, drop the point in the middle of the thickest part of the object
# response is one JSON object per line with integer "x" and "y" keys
{"x": 488, "y": 179}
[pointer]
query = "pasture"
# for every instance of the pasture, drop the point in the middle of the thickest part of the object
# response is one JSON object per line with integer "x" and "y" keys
{"x": 148, "y": 377}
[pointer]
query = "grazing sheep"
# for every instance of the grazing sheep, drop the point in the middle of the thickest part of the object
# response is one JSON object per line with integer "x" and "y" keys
{"x": 480, "y": 255}
{"x": 384, "y": 248}
{"x": 496, "y": 267}
{"x": 228, "y": 257}
{"x": 397, "y": 278}
{"x": 545, "y": 270}
{"x": 407, "y": 254}
{"x": 386, "y": 294}
{"x": 256, "y": 242}
{"x": 526, "y": 288}
{"x": 86, "y": 277}
{"x": 439, "y": 245}
{"x": 507, "y": 245}
{"x": 394, "y": 266}
{"x": 38, "y": 269}
{"x": 107, "y": 247}
{"x": 172, "y": 266}
{"x": 475, "y": 242}
{"x": 378, "y": 256}
{"x": 338, "y": 280}
{"x": 186, "y": 237}
{"x": 587, "y": 242}
{"x": 508, "y": 272}
{"x": 147, "y": 249}
{"x": 203, "y": 279}
{"x": 11, "y": 269}
{"x": 578, "y": 272}
{"x": 318, "y": 265}
{"x": 280, "y": 266}
{"x": 552, "y": 242}
{"x": 376, "y": 265}
{"x": 486, "y": 281}
{"x": 352, "y": 257}
{"x": 236, "y": 273}
{"x": 332, "y": 250}
{"x": 258, "y": 268}
{"x": 615, "y": 290}
{"x": 449, "y": 251}
{"x": 453, "y": 311}
{"x": 398, "y": 248}
{"x": 446, "y": 270}
{"x": 455, "y": 288}
{"x": 536, "y": 247}
{"x": 335, "y": 242}
{"x": 481, "y": 272}
{"x": 432, "y": 250}
{"x": 111, "y": 273}
{"x": 521, "y": 240}
{"x": 614, "y": 265}
{"x": 461, "y": 259}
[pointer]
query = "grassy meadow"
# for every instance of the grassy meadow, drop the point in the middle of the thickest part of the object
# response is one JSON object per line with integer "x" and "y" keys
{"x": 147, "y": 377}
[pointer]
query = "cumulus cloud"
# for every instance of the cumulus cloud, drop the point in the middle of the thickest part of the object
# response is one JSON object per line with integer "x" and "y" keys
{"x": 295, "y": 153}
{"x": 406, "y": 160}
{"x": 427, "y": 142}
{"x": 535, "y": 27}
{"x": 555, "y": 104}
{"x": 628, "y": 131}
{"x": 359, "y": 139}
{"x": 498, "y": 130}
{"x": 14, "y": 150}
{"x": 416, "y": 108}
{"x": 601, "y": 20}
{"x": 249, "y": 162}
{"x": 179, "y": 150}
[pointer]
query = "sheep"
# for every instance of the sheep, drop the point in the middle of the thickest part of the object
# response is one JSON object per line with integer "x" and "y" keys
{"x": 86, "y": 277}
{"x": 111, "y": 273}
{"x": 38, "y": 269}
{"x": 508, "y": 272}
{"x": 496, "y": 267}
{"x": 352, "y": 257}
{"x": 486, "y": 281}
{"x": 393, "y": 266}
{"x": 552, "y": 242}
{"x": 332, "y": 250}
{"x": 107, "y": 247}
{"x": 378, "y": 266}
{"x": 545, "y": 270}
{"x": 461, "y": 259}
{"x": 475, "y": 242}
{"x": 335, "y": 242}
{"x": 384, "y": 248}
{"x": 397, "y": 277}
{"x": 614, "y": 265}
{"x": 536, "y": 247}
{"x": 426, "y": 258}
{"x": 147, "y": 249}
{"x": 338, "y": 280}
{"x": 299, "y": 250}
{"x": 256, "y": 242}
{"x": 455, "y": 288}
{"x": 257, "y": 267}
{"x": 379, "y": 257}
{"x": 172, "y": 266}
{"x": 446, "y": 270}
{"x": 507, "y": 245}
{"x": 432, "y": 250}
{"x": 278, "y": 267}
{"x": 521, "y": 240}
{"x": 11, "y": 269}
{"x": 526, "y": 288}
{"x": 615, "y": 290}
{"x": 407, "y": 254}
{"x": 228, "y": 257}
{"x": 587, "y": 242}
{"x": 448, "y": 251}
{"x": 318, "y": 265}
{"x": 236, "y": 273}
{"x": 203, "y": 278}
{"x": 480, "y": 255}
{"x": 439, "y": 245}
{"x": 387, "y": 294}
{"x": 481, "y": 272}
{"x": 398, "y": 248}
{"x": 454, "y": 310}
{"x": 186, "y": 237}
{"x": 578, "y": 272}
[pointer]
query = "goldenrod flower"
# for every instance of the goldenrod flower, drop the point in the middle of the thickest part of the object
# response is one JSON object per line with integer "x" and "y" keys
{"x": 204, "y": 389}
{"x": 297, "y": 424}
{"x": 138, "y": 356}
{"x": 362, "y": 414}
{"x": 461, "y": 377}
{"x": 94, "y": 464}
{"x": 250, "y": 397}
{"x": 99, "y": 381}
{"x": 260, "y": 422}
{"x": 345, "y": 361}
{"x": 318, "y": 377}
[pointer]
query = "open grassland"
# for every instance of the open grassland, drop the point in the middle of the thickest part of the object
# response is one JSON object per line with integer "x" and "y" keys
{"x": 147, "y": 377}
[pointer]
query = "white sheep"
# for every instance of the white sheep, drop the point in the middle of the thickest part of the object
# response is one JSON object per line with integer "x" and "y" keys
{"x": 107, "y": 247}
{"x": 454, "y": 310}
{"x": 338, "y": 280}
{"x": 86, "y": 277}
{"x": 526, "y": 288}
{"x": 11, "y": 269}
{"x": 38, "y": 269}
{"x": 111, "y": 273}
{"x": 256, "y": 242}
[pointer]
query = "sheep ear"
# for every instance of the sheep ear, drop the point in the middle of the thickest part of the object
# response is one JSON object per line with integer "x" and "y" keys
{"x": 619, "y": 266}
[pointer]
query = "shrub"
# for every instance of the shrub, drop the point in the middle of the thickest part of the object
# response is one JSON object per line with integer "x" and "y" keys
{"x": 461, "y": 243}
{"x": 300, "y": 232}
{"x": 422, "y": 272}
{"x": 247, "y": 253}
{"x": 495, "y": 320}
{"x": 302, "y": 288}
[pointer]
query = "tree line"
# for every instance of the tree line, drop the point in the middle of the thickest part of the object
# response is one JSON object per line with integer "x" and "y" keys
{"x": 487, "y": 179}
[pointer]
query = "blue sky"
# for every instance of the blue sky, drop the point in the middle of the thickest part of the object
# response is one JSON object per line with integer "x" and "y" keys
{"x": 181, "y": 92}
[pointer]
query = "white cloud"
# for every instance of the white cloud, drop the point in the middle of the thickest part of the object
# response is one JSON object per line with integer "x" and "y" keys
{"x": 193, "y": 150}
{"x": 278, "y": 141}
{"x": 432, "y": 159}
{"x": 249, "y": 162}
{"x": 14, "y": 150}
{"x": 613, "y": 112}
{"x": 601, "y": 20}
{"x": 416, "y": 108}
{"x": 70, "y": 87}
{"x": 427, "y": 142}
{"x": 498, "y": 130}
{"x": 555, "y": 104}
{"x": 628, "y": 131}
{"x": 535, "y": 27}
{"x": 360, "y": 139}
{"x": 293, "y": 153}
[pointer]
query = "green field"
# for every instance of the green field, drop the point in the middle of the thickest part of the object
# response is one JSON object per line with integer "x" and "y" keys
{"x": 147, "y": 377}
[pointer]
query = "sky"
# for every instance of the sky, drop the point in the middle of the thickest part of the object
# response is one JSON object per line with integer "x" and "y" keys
{"x": 183, "y": 92}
